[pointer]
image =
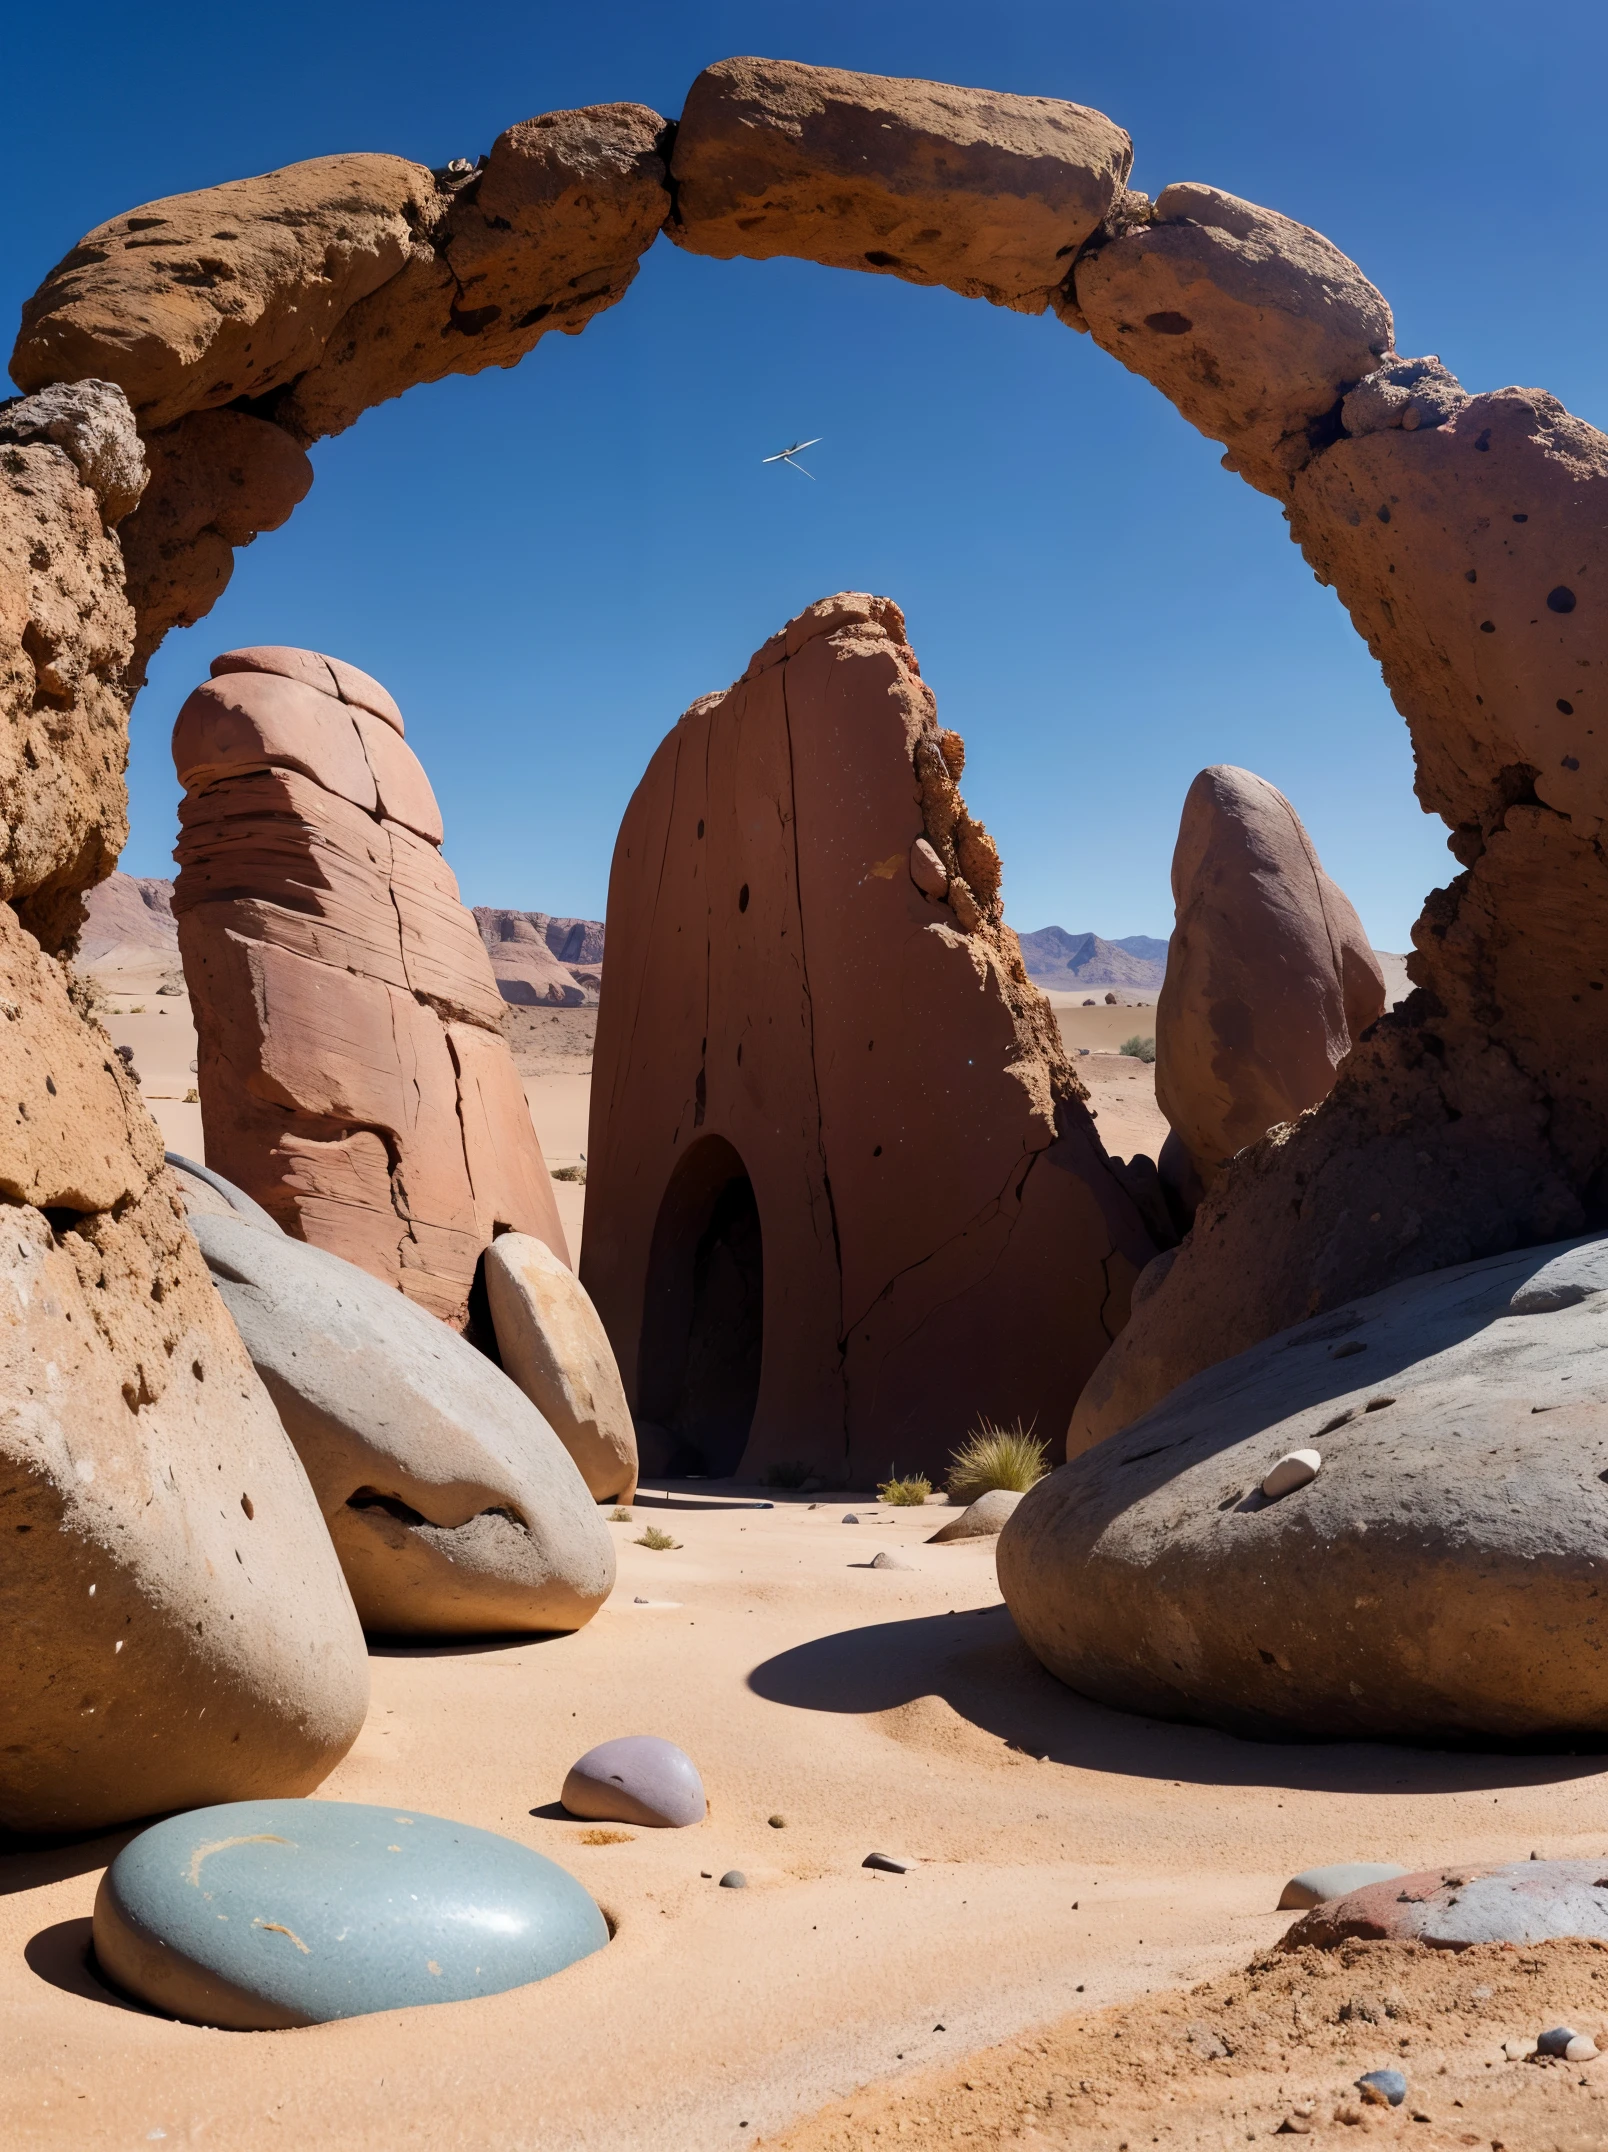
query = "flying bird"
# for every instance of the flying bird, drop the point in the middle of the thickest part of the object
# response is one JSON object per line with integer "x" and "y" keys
{"x": 786, "y": 455}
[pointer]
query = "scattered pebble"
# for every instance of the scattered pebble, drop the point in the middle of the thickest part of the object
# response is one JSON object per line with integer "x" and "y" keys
{"x": 1518, "y": 2050}
{"x": 1382, "y": 2088}
{"x": 894, "y": 1863}
{"x": 777, "y": 1823}
{"x": 884, "y": 1560}
{"x": 639, "y": 1601}
{"x": 1565, "y": 2041}
{"x": 1296, "y": 1469}
{"x": 850, "y": 1518}
{"x": 635, "y": 1778}
{"x": 734, "y": 1879}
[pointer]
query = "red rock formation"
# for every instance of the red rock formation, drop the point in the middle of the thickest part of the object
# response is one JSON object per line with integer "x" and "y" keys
{"x": 844, "y": 1194}
{"x": 353, "y": 1074}
{"x": 1269, "y": 973}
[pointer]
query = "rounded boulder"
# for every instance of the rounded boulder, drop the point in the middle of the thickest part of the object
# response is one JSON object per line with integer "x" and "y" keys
{"x": 1443, "y": 1578}
{"x": 1450, "y": 1908}
{"x": 260, "y": 1915}
{"x": 636, "y": 1778}
{"x": 554, "y": 1346}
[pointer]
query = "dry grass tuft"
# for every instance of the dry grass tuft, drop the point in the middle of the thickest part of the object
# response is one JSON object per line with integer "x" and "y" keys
{"x": 1009, "y": 1457}
{"x": 656, "y": 1539}
{"x": 607, "y": 1838}
{"x": 905, "y": 1493}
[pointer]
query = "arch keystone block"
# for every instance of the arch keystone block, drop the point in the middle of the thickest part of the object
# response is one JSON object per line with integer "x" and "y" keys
{"x": 844, "y": 1193}
{"x": 989, "y": 194}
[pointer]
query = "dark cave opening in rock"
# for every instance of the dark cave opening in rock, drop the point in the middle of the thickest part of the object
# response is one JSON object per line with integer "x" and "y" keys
{"x": 703, "y": 1328}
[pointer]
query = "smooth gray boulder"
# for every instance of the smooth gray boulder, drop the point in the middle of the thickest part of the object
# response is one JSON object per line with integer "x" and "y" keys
{"x": 982, "y": 1519}
{"x": 636, "y": 1778}
{"x": 209, "y": 1193}
{"x": 259, "y": 1915}
{"x": 1444, "y": 1578}
{"x": 453, "y": 1506}
{"x": 1316, "y": 1886}
{"x": 1450, "y": 1908}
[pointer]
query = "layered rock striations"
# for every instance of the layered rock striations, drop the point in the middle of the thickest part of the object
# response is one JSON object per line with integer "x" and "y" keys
{"x": 844, "y": 1194}
{"x": 353, "y": 1074}
{"x": 1269, "y": 975}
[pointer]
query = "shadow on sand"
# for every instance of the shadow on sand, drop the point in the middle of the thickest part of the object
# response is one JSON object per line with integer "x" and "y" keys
{"x": 976, "y": 1662}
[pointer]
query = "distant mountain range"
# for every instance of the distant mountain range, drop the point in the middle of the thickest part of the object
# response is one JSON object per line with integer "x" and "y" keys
{"x": 1068, "y": 963}
{"x": 540, "y": 960}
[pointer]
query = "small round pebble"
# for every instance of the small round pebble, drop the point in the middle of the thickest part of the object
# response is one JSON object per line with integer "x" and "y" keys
{"x": 1565, "y": 2041}
{"x": 777, "y": 1823}
{"x": 1296, "y": 1469}
{"x": 734, "y": 1879}
{"x": 851, "y": 1518}
{"x": 1385, "y": 2088}
{"x": 635, "y": 1778}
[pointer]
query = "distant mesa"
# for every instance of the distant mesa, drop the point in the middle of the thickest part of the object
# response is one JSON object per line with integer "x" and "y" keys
{"x": 129, "y": 912}
{"x": 1069, "y": 963}
{"x": 539, "y": 960}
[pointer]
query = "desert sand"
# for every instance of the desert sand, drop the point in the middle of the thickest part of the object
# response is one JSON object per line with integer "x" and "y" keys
{"x": 1067, "y": 1859}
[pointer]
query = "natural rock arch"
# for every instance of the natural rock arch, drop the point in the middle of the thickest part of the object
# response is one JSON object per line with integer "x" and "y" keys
{"x": 1464, "y": 534}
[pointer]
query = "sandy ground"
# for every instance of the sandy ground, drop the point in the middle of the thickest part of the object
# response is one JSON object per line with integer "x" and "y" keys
{"x": 1068, "y": 1859}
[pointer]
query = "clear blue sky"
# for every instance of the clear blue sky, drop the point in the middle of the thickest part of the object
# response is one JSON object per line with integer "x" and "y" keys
{"x": 546, "y": 565}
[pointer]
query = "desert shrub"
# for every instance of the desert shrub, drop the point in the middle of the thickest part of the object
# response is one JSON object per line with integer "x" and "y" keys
{"x": 787, "y": 1475}
{"x": 570, "y": 1173}
{"x": 905, "y": 1493}
{"x": 1138, "y": 1048}
{"x": 621, "y": 1516}
{"x": 656, "y": 1539}
{"x": 1009, "y": 1457}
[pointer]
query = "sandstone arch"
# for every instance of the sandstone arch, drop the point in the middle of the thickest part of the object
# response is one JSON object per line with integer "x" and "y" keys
{"x": 1465, "y": 535}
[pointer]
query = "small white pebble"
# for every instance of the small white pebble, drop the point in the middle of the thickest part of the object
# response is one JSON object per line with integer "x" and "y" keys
{"x": 1296, "y": 1469}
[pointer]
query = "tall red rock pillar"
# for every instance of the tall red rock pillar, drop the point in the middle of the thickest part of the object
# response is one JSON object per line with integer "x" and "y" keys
{"x": 844, "y": 1193}
{"x": 353, "y": 1073}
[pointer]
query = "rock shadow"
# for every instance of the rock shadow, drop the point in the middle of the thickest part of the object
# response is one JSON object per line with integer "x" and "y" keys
{"x": 64, "y": 1955}
{"x": 30, "y": 1862}
{"x": 977, "y": 1663}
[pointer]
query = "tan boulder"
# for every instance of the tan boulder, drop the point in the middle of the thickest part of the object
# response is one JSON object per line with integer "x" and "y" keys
{"x": 550, "y": 1340}
{"x": 1252, "y": 324}
{"x": 352, "y": 1072}
{"x": 546, "y": 234}
{"x": 1269, "y": 972}
{"x": 217, "y": 479}
{"x": 177, "y": 1630}
{"x": 844, "y": 1193}
{"x": 201, "y": 299}
{"x": 989, "y": 194}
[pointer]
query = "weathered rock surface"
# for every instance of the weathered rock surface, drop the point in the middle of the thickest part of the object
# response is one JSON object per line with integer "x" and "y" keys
{"x": 551, "y": 1342}
{"x": 176, "y": 1628}
{"x": 1475, "y": 1116}
{"x": 544, "y": 235}
{"x": 1269, "y": 973}
{"x": 264, "y": 1914}
{"x": 1450, "y": 1908}
{"x": 200, "y": 299}
{"x": 636, "y": 1778}
{"x": 91, "y": 421}
{"x": 453, "y": 1506}
{"x": 218, "y": 478}
{"x": 989, "y": 194}
{"x": 1316, "y": 1886}
{"x": 1252, "y": 324}
{"x": 66, "y": 636}
{"x": 353, "y": 1075}
{"x": 982, "y": 1519}
{"x": 843, "y": 1190}
{"x": 1442, "y": 1579}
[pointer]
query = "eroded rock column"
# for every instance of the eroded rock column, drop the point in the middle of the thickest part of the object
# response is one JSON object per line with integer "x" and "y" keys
{"x": 353, "y": 1074}
{"x": 844, "y": 1193}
